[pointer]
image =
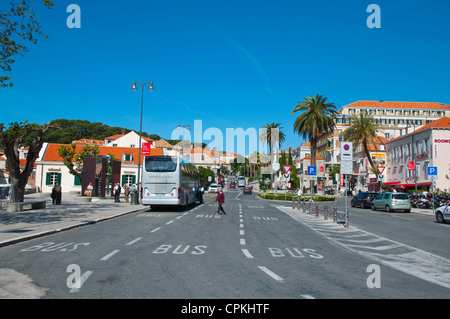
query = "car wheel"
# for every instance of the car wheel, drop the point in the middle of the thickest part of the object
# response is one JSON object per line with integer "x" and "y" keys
{"x": 373, "y": 207}
{"x": 440, "y": 218}
{"x": 362, "y": 205}
{"x": 352, "y": 203}
{"x": 388, "y": 209}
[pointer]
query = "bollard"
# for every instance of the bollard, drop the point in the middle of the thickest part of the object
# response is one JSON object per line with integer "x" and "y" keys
{"x": 293, "y": 203}
{"x": 326, "y": 213}
{"x": 335, "y": 214}
{"x": 346, "y": 219}
{"x": 317, "y": 210}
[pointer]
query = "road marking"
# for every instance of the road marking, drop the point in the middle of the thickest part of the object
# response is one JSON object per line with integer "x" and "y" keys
{"x": 110, "y": 254}
{"x": 271, "y": 273}
{"x": 242, "y": 241}
{"x": 241, "y": 220}
{"x": 241, "y": 225}
{"x": 133, "y": 241}
{"x": 169, "y": 222}
{"x": 247, "y": 253}
{"x": 83, "y": 279}
{"x": 241, "y": 232}
{"x": 178, "y": 217}
{"x": 155, "y": 230}
{"x": 308, "y": 297}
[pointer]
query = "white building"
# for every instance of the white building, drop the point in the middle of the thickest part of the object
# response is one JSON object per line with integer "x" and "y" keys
{"x": 427, "y": 146}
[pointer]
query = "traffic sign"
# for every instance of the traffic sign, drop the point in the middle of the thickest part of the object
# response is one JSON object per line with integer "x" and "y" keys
{"x": 380, "y": 178}
{"x": 276, "y": 166}
{"x": 312, "y": 170}
{"x": 287, "y": 168}
{"x": 432, "y": 170}
{"x": 287, "y": 176}
{"x": 347, "y": 151}
{"x": 346, "y": 167}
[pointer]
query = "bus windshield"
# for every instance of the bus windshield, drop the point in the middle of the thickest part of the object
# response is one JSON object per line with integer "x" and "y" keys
{"x": 159, "y": 164}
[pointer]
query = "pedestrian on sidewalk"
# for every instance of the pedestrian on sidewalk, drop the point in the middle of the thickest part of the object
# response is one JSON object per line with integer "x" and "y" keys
{"x": 117, "y": 190}
{"x": 58, "y": 193}
{"x": 221, "y": 200}
{"x": 90, "y": 188}
{"x": 126, "y": 192}
{"x": 201, "y": 191}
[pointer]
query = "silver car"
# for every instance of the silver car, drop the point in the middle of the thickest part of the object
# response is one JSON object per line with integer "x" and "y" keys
{"x": 392, "y": 202}
{"x": 443, "y": 214}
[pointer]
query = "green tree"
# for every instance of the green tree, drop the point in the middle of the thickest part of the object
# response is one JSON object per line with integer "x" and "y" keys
{"x": 69, "y": 154}
{"x": 273, "y": 135}
{"x": 315, "y": 119}
{"x": 18, "y": 25}
{"x": 11, "y": 139}
{"x": 363, "y": 131}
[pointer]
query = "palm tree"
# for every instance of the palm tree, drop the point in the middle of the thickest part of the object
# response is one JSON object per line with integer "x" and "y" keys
{"x": 273, "y": 135}
{"x": 315, "y": 119}
{"x": 363, "y": 131}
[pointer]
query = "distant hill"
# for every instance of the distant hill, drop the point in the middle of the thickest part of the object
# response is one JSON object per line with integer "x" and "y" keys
{"x": 71, "y": 130}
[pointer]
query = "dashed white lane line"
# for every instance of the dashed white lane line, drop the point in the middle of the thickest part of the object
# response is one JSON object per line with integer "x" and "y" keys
{"x": 271, "y": 273}
{"x": 169, "y": 222}
{"x": 242, "y": 241}
{"x": 155, "y": 230}
{"x": 134, "y": 241}
{"x": 110, "y": 254}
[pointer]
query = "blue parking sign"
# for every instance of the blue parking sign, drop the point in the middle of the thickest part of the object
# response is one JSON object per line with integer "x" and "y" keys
{"x": 312, "y": 171}
{"x": 432, "y": 170}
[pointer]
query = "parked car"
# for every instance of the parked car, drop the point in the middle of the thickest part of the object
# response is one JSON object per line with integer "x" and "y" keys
{"x": 443, "y": 213}
{"x": 247, "y": 190}
{"x": 363, "y": 199}
{"x": 232, "y": 185}
{"x": 392, "y": 202}
{"x": 213, "y": 188}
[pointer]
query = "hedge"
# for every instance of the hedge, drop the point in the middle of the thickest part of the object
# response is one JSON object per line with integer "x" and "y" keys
{"x": 289, "y": 197}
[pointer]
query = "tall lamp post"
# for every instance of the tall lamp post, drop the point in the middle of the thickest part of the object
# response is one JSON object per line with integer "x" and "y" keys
{"x": 135, "y": 88}
{"x": 188, "y": 127}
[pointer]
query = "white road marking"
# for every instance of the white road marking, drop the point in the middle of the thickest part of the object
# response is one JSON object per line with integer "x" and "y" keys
{"x": 110, "y": 254}
{"x": 133, "y": 241}
{"x": 271, "y": 273}
{"x": 169, "y": 222}
{"x": 308, "y": 297}
{"x": 247, "y": 253}
{"x": 155, "y": 230}
{"x": 241, "y": 232}
{"x": 242, "y": 241}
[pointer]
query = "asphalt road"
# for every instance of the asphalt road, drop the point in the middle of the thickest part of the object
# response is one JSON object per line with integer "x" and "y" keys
{"x": 259, "y": 250}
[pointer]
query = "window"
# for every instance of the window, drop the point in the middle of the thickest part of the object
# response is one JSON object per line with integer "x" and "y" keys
{"x": 127, "y": 157}
{"x": 128, "y": 180}
{"x": 52, "y": 178}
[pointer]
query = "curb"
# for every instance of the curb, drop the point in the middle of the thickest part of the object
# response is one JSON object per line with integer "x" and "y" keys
{"x": 76, "y": 225}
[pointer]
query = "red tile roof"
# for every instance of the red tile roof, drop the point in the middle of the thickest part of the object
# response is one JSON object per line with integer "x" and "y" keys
{"x": 400, "y": 105}
{"x": 51, "y": 154}
{"x": 441, "y": 123}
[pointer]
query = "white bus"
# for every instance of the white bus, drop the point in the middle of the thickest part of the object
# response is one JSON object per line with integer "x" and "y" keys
{"x": 241, "y": 181}
{"x": 169, "y": 180}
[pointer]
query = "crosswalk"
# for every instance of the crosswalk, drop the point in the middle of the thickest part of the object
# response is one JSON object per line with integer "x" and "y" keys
{"x": 382, "y": 250}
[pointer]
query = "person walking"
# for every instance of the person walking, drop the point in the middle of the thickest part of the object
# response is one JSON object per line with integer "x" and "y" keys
{"x": 58, "y": 193}
{"x": 201, "y": 191}
{"x": 117, "y": 193}
{"x": 299, "y": 194}
{"x": 221, "y": 200}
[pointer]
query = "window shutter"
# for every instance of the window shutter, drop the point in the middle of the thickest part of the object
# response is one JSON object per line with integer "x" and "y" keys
{"x": 58, "y": 178}
{"x": 124, "y": 179}
{"x": 76, "y": 180}
{"x": 48, "y": 179}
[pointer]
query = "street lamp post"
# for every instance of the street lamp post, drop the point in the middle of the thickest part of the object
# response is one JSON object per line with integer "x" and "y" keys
{"x": 188, "y": 127}
{"x": 135, "y": 88}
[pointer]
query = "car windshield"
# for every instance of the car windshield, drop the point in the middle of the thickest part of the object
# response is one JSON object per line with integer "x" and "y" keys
{"x": 399, "y": 196}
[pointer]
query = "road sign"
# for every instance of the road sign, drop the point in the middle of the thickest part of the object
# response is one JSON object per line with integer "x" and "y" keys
{"x": 312, "y": 170}
{"x": 287, "y": 168}
{"x": 432, "y": 170}
{"x": 380, "y": 178}
{"x": 347, "y": 151}
{"x": 287, "y": 176}
{"x": 276, "y": 166}
{"x": 346, "y": 167}
{"x": 411, "y": 166}
{"x": 146, "y": 149}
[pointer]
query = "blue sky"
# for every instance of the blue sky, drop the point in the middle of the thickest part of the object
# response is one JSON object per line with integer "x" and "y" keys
{"x": 229, "y": 63}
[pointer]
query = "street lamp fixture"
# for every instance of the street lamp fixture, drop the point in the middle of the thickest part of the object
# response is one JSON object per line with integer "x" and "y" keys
{"x": 134, "y": 87}
{"x": 188, "y": 127}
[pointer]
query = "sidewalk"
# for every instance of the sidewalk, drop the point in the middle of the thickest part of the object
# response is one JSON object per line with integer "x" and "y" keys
{"x": 28, "y": 224}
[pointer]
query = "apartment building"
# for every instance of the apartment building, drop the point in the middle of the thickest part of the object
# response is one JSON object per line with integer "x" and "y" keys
{"x": 427, "y": 146}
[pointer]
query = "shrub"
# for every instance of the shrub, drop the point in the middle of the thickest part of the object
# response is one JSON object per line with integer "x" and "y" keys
{"x": 289, "y": 197}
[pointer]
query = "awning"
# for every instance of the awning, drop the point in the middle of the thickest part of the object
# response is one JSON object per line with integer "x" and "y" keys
{"x": 418, "y": 184}
{"x": 391, "y": 183}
